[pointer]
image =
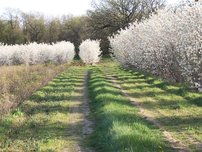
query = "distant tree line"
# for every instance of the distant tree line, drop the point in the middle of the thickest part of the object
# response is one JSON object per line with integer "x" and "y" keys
{"x": 17, "y": 27}
{"x": 106, "y": 17}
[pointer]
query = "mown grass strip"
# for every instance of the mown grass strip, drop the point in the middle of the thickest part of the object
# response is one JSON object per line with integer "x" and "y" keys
{"x": 118, "y": 126}
{"x": 176, "y": 107}
{"x": 41, "y": 123}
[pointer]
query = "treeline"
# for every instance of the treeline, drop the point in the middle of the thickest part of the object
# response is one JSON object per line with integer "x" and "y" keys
{"x": 17, "y": 27}
{"x": 107, "y": 16}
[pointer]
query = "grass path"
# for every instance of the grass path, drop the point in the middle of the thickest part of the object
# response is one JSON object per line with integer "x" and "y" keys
{"x": 52, "y": 119}
{"x": 119, "y": 127}
{"x": 174, "y": 109}
{"x": 79, "y": 124}
{"x": 176, "y": 144}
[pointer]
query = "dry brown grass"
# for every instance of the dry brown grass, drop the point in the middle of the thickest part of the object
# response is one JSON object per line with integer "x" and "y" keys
{"x": 19, "y": 82}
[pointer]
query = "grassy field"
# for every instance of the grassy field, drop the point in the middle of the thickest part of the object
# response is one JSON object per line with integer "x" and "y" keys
{"x": 52, "y": 118}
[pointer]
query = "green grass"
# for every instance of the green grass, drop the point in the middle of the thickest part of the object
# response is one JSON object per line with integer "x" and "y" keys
{"x": 119, "y": 128}
{"x": 41, "y": 123}
{"x": 176, "y": 107}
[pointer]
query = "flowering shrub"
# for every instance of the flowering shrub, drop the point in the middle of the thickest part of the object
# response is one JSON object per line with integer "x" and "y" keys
{"x": 90, "y": 51}
{"x": 169, "y": 44}
{"x": 34, "y": 53}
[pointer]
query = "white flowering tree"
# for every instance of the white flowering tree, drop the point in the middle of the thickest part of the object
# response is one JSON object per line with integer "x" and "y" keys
{"x": 34, "y": 53}
{"x": 168, "y": 44}
{"x": 90, "y": 51}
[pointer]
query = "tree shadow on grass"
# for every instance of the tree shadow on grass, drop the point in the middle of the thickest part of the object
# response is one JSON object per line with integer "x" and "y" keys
{"x": 32, "y": 134}
{"x": 48, "y": 109}
{"x": 181, "y": 121}
{"x": 190, "y": 97}
{"x": 119, "y": 121}
{"x": 42, "y": 120}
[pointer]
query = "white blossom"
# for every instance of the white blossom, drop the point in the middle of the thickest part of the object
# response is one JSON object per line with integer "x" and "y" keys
{"x": 168, "y": 44}
{"x": 34, "y": 53}
{"x": 90, "y": 51}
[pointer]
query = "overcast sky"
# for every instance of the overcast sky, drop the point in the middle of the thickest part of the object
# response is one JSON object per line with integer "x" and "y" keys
{"x": 51, "y": 7}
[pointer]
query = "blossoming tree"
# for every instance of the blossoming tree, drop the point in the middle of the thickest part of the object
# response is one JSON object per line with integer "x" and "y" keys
{"x": 90, "y": 51}
{"x": 34, "y": 53}
{"x": 168, "y": 44}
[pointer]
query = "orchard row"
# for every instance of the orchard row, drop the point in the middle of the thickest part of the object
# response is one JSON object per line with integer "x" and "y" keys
{"x": 58, "y": 53}
{"x": 168, "y": 44}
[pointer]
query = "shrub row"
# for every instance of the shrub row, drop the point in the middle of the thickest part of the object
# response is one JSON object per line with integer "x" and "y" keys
{"x": 168, "y": 44}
